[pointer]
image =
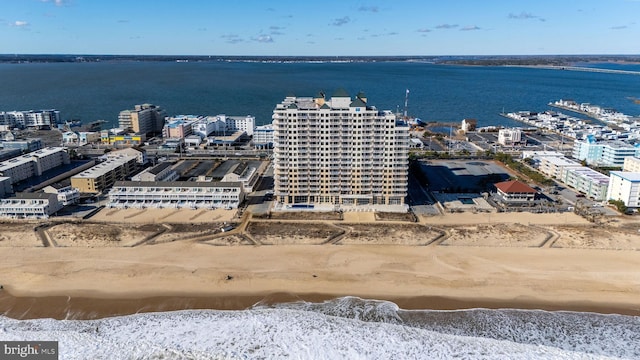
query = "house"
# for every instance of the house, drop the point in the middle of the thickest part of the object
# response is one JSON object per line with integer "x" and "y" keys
{"x": 65, "y": 193}
{"x": 515, "y": 192}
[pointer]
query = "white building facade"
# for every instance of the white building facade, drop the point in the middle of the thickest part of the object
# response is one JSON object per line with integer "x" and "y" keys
{"x": 631, "y": 164}
{"x": 33, "y": 164}
{"x": 587, "y": 181}
{"x": 263, "y": 136}
{"x": 509, "y": 137}
{"x": 176, "y": 194}
{"x": 339, "y": 152}
{"x": 31, "y": 118}
{"x": 30, "y": 206}
{"x": 606, "y": 153}
{"x": 625, "y": 186}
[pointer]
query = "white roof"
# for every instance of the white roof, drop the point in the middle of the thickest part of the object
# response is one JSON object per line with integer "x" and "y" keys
{"x": 629, "y": 176}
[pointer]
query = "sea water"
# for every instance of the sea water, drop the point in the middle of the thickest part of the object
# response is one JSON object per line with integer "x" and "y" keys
{"x": 446, "y": 93}
{"x": 344, "y": 328}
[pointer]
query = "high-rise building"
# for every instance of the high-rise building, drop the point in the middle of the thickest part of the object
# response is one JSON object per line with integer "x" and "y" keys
{"x": 339, "y": 152}
{"x": 144, "y": 119}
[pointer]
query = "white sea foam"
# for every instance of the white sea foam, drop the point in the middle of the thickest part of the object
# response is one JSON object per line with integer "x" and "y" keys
{"x": 346, "y": 328}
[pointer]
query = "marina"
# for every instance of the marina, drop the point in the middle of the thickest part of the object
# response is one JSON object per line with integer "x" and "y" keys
{"x": 609, "y": 124}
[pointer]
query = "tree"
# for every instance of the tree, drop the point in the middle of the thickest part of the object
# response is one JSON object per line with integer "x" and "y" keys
{"x": 619, "y": 204}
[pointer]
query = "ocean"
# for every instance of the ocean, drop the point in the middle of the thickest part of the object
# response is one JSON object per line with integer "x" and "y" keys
{"x": 344, "y": 328}
{"x": 447, "y": 93}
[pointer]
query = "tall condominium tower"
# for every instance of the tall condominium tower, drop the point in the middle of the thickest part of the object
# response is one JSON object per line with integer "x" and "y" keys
{"x": 339, "y": 152}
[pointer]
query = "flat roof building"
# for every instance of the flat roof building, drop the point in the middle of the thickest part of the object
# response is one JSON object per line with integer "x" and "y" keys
{"x": 553, "y": 165}
{"x": 631, "y": 164}
{"x": 605, "y": 153}
{"x": 340, "y": 153}
{"x": 587, "y": 181}
{"x": 143, "y": 119}
{"x": 33, "y": 164}
{"x": 105, "y": 174}
{"x": 625, "y": 186}
{"x": 176, "y": 194}
{"x": 29, "y": 206}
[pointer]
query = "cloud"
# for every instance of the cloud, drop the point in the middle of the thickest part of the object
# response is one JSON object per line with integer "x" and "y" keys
{"x": 341, "y": 21}
{"x": 20, "y": 23}
{"x": 447, "y": 26}
{"x": 263, "y": 38}
{"x": 123, "y": 21}
{"x": 620, "y": 27}
{"x": 423, "y": 30}
{"x": 56, "y": 2}
{"x": 276, "y": 30}
{"x": 232, "y": 38}
{"x": 470, "y": 28}
{"x": 373, "y": 9}
{"x": 525, "y": 16}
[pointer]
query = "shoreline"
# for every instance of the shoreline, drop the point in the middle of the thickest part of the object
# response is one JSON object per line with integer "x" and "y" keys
{"x": 97, "y": 282}
{"x": 93, "y": 308}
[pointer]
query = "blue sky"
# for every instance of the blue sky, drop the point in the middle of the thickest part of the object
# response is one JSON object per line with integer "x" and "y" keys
{"x": 330, "y": 27}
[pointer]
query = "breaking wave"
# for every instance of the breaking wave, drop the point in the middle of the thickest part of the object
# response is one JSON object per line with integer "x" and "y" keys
{"x": 343, "y": 328}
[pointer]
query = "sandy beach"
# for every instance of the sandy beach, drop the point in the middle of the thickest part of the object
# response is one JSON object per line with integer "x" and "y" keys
{"x": 452, "y": 261}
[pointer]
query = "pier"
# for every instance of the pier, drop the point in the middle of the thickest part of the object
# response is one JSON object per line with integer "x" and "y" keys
{"x": 580, "y": 68}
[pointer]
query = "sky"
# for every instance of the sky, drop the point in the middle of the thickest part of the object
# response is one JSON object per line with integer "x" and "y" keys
{"x": 320, "y": 28}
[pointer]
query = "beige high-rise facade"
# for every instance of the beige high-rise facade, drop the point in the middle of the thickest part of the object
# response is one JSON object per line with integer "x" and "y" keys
{"x": 144, "y": 119}
{"x": 340, "y": 152}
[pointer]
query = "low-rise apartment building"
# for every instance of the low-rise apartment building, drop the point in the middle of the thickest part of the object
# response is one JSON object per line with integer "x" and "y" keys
{"x": 176, "y": 194}
{"x": 552, "y": 166}
{"x": 105, "y": 174}
{"x": 625, "y": 186}
{"x": 33, "y": 164}
{"x": 587, "y": 181}
{"x": 605, "y": 153}
{"x": 631, "y": 164}
{"x": 30, "y": 206}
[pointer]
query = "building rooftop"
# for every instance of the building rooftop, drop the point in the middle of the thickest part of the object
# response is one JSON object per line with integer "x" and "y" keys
{"x": 18, "y": 160}
{"x": 240, "y": 168}
{"x": 514, "y": 186}
{"x": 560, "y": 161}
{"x": 105, "y": 167}
{"x": 629, "y": 176}
{"x": 159, "y": 168}
{"x": 191, "y": 184}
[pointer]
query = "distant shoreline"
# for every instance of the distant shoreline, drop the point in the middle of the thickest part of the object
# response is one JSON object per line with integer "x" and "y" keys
{"x": 497, "y": 60}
